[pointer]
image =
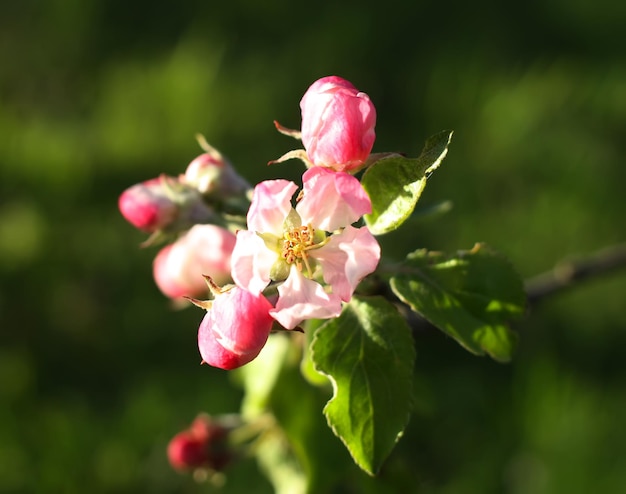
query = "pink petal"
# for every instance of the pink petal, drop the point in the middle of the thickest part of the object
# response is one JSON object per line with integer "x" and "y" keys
{"x": 271, "y": 203}
{"x": 332, "y": 199}
{"x": 251, "y": 262}
{"x": 347, "y": 258}
{"x": 301, "y": 298}
{"x": 211, "y": 351}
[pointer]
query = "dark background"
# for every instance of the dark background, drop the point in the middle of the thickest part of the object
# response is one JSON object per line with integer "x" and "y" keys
{"x": 97, "y": 372}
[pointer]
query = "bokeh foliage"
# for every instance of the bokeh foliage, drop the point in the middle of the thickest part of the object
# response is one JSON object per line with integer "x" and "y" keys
{"x": 97, "y": 372}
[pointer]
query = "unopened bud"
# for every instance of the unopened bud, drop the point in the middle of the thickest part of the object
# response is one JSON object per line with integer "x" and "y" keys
{"x": 147, "y": 205}
{"x": 186, "y": 451}
{"x": 214, "y": 176}
{"x": 178, "y": 268}
{"x": 204, "y": 445}
{"x": 338, "y": 124}
{"x": 235, "y": 329}
{"x": 164, "y": 204}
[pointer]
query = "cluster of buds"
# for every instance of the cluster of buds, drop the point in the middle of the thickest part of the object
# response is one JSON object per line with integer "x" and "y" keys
{"x": 300, "y": 261}
{"x": 271, "y": 257}
{"x": 293, "y": 257}
{"x": 187, "y": 210}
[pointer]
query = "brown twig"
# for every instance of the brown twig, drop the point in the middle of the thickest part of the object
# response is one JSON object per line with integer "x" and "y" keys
{"x": 566, "y": 274}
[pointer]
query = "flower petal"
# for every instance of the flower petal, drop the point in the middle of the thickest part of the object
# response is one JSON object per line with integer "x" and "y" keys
{"x": 211, "y": 351}
{"x": 251, "y": 262}
{"x": 301, "y": 298}
{"x": 271, "y": 203}
{"x": 332, "y": 199}
{"x": 347, "y": 258}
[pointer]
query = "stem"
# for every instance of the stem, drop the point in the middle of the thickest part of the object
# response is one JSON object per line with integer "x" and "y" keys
{"x": 567, "y": 274}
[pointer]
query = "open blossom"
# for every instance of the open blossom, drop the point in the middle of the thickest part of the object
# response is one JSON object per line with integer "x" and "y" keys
{"x": 338, "y": 124}
{"x": 302, "y": 246}
{"x": 178, "y": 268}
{"x": 234, "y": 329}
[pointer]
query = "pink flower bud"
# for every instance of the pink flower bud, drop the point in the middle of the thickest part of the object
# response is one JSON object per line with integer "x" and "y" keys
{"x": 203, "y": 445}
{"x": 186, "y": 452}
{"x": 213, "y": 175}
{"x": 337, "y": 124}
{"x": 147, "y": 205}
{"x": 235, "y": 329}
{"x": 178, "y": 268}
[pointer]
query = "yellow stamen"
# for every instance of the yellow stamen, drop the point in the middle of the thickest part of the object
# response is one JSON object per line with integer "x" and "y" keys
{"x": 296, "y": 241}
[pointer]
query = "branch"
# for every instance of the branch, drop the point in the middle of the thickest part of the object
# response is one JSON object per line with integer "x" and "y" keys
{"x": 566, "y": 274}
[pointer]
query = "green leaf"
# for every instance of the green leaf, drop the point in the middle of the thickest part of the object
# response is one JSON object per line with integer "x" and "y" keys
{"x": 368, "y": 354}
{"x": 470, "y": 297}
{"x": 395, "y": 183}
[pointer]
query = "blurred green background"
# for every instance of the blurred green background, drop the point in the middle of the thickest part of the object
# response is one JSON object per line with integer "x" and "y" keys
{"x": 97, "y": 371}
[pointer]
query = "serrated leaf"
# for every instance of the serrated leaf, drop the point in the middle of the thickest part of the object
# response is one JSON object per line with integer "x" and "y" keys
{"x": 470, "y": 296}
{"x": 368, "y": 354}
{"x": 395, "y": 183}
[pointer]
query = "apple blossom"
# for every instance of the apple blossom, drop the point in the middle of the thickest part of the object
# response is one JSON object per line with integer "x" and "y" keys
{"x": 234, "y": 329}
{"x": 338, "y": 124}
{"x": 302, "y": 245}
{"x": 178, "y": 268}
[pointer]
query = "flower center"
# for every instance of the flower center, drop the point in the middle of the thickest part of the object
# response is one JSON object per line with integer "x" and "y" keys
{"x": 296, "y": 241}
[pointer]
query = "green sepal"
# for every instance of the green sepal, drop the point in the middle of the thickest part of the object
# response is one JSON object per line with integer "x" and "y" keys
{"x": 292, "y": 220}
{"x": 279, "y": 270}
{"x": 272, "y": 242}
